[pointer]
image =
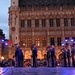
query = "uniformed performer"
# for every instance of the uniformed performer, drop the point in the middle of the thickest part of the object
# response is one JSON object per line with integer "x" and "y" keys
{"x": 53, "y": 56}
{"x": 48, "y": 56}
{"x": 68, "y": 55}
{"x": 63, "y": 61}
{"x": 73, "y": 54}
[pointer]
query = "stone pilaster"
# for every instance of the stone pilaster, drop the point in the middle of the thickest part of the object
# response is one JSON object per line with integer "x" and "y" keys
{"x": 54, "y": 22}
{"x": 62, "y": 32}
{"x": 47, "y": 25}
{"x": 69, "y": 22}
{"x": 33, "y": 33}
{"x": 40, "y": 23}
{"x": 55, "y": 39}
{"x": 25, "y": 23}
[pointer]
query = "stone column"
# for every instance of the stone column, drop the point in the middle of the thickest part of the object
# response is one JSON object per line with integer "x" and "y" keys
{"x": 33, "y": 33}
{"x": 47, "y": 26}
{"x": 40, "y": 23}
{"x": 25, "y": 23}
{"x": 62, "y": 27}
{"x": 54, "y": 23}
{"x": 26, "y": 33}
{"x": 69, "y": 25}
{"x": 55, "y": 39}
{"x": 40, "y": 26}
{"x": 69, "y": 22}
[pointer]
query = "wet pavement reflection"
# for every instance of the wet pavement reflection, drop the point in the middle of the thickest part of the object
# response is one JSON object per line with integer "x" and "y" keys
{"x": 37, "y": 71}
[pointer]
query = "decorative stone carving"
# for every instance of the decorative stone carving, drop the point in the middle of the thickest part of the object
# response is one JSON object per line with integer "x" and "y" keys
{"x": 13, "y": 28}
{"x": 68, "y": 33}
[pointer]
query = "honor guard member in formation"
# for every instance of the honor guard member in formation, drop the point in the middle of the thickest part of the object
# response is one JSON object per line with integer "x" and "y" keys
{"x": 68, "y": 55}
{"x": 73, "y": 54}
{"x": 53, "y": 56}
{"x": 48, "y": 56}
{"x": 34, "y": 55}
{"x": 19, "y": 56}
{"x": 63, "y": 61}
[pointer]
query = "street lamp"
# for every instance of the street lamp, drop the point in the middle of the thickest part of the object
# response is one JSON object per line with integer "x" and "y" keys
{"x": 2, "y": 58}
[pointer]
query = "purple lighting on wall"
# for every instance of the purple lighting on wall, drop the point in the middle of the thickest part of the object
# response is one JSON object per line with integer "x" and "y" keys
{"x": 2, "y": 40}
{"x": 6, "y": 44}
{"x": 72, "y": 40}
{"x": 62, "y": 44}
{"x": 66, "y": 40}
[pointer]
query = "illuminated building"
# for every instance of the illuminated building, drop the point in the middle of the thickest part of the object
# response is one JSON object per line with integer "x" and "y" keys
{"x": 43, "y": 22}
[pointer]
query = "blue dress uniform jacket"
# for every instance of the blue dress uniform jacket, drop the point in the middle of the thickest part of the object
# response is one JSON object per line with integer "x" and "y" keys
{"x": 19, "y": 57}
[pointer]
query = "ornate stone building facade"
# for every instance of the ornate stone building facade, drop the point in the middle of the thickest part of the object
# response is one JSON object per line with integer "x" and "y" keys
{"x": 43, "y": 22}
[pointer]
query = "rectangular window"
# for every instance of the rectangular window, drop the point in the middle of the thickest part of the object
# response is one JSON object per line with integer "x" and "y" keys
{"x": 22, "y": 23}
{"x": 29, "y": 42}
{"x": 36, "y": 22}
{"x": 58, "y": 22}
{"x": 43, "y": 22}
{"x": 28, "y": 23}
{"x": 72, "y": 22}
{"x": 52, "y": 41}
{"x": 22, "y": 41}
{"x": 65, "y": 22}
{"x": 37, "y": 42}
{"x": 59, "y": 41}
{"x": 44, "y": 43}
{"x": 51, "y": 22}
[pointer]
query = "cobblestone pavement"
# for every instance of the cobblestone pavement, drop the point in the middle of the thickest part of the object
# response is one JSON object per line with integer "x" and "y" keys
{"x": 37, "y": 71}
